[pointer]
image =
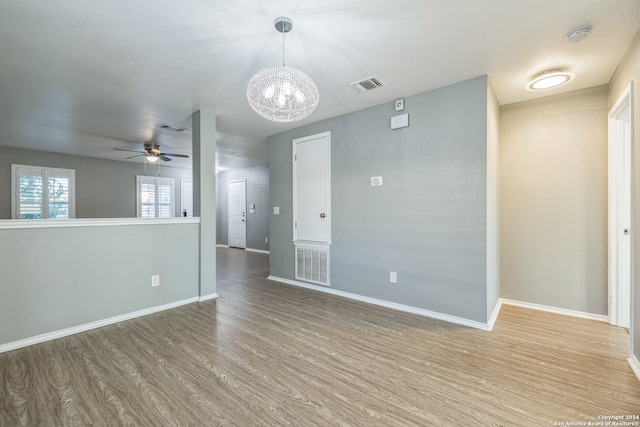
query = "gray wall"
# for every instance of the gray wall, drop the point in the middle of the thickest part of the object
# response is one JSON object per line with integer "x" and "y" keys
{"x": 104, "y": 188}
{"x": 629, "y": 70}
{"x": 493, "y": 204}
{"x": 553, "y": 174}
{"x": 428, "y": 221}
{"x": 203, "y": 142}
{"x": 56, "y": 278}
{"x": 257, "y": 193}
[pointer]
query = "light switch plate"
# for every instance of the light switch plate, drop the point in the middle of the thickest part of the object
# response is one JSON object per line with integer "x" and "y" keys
{"x": 401, "y": 121}
{"x": 376, "y": 181}
{"x": 276, "y": 210}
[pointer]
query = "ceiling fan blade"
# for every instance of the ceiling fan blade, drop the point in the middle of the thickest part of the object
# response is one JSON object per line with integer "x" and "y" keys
{"x": 175, "y": 155}
{"x": 133, "y": 151}
{"x": 135, "y": 155}
{"x": 165, "y": 158}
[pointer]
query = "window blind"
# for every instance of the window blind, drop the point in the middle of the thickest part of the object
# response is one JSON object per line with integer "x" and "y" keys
{"x": 155, "y": 197}
{"x": 42, "y": 193}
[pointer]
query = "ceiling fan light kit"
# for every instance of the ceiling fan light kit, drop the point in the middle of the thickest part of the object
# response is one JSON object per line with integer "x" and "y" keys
{"x": 282, "y": 94}
{"x": 152, "y": 153}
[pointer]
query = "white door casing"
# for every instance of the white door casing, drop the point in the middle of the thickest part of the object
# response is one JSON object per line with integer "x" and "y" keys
{"x": 312, "y": 208}
{"x": 620, "y": 209}
{"x": 312, "y": 188}
{"x": 186, "y": 198}
{"x": 237, "y": 214}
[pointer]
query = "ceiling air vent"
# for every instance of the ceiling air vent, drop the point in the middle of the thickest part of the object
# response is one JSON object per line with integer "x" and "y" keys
{"x": 368, "y": 84}
{"x": 169, "y": 127}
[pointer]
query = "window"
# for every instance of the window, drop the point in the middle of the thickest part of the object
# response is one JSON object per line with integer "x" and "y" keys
{"x": 155, "y": 197}
{"x": 42, "y": 193}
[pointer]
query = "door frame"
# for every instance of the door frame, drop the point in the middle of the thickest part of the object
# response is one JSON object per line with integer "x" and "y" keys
{"x": 295, "y": 181}
{"x": 244, "y": 182}
{"x": 182, "y": 204}
{"x": 620, "y": 183}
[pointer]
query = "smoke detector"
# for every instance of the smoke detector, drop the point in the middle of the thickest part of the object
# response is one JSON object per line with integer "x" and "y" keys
{"x": 578, "y": 34}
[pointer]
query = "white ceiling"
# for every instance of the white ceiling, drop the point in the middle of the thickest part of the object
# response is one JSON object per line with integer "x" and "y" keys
{"x": 84, "y": 77}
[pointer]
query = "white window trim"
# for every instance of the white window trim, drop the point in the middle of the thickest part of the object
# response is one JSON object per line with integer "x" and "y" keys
{"x": 155, "y": 179}
{"x": 44, "y": 172}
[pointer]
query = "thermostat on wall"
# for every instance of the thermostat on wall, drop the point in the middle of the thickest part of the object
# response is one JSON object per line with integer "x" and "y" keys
{"x": 376, "y": 181}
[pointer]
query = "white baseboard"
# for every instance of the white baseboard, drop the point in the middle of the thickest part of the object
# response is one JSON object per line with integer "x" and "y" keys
{"x": 635, "y": 365}
{"x": 388, "y": 304}
{"x": 246, "y": 249}
{"x": 91, "y": 325}
{"x": 260, "y": 251}
{"x": 208, "y": 297}
{"x": 494, "y": 314}
{"x": 556, "y": 310}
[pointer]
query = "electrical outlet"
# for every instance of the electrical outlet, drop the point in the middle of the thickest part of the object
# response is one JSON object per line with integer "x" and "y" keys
{"x": 393, "y": 277}
{"x": 155, "y": 280}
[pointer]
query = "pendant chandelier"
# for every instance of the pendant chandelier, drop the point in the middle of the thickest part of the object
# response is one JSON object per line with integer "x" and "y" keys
{"x": 282, "y": 94}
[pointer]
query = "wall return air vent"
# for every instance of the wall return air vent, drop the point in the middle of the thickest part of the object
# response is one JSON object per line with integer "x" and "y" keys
{"x": 368, "y": 84}
{"x": 312, "y": 263}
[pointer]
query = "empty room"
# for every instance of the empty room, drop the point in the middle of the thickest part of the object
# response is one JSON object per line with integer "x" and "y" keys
{"x": 319, "y": 213}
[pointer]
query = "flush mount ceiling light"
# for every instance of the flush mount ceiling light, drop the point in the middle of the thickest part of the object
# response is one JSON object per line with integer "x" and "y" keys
{"x": 282, "y": 94}
{"x": 550, "y": 79}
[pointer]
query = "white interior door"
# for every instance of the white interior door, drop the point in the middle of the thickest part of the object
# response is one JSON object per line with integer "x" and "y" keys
{"x": 186, "y": 198}
{"x": 311, "y": 188}
{"x": 620, "y": 215}
{"x": 237, "y": 214}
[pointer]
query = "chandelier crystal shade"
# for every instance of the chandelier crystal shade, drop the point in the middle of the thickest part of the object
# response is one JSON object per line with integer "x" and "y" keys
{"x": 282, "y": 94}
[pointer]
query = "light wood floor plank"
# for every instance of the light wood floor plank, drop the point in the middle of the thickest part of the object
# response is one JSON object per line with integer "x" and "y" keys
{"x": 268, "y": 354}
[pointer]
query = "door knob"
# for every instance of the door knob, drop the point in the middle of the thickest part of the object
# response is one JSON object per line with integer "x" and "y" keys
{"x": 322, "y": 215}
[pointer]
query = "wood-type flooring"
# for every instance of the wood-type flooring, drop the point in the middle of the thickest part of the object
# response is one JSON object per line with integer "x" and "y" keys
{"x": 269, "y": 354}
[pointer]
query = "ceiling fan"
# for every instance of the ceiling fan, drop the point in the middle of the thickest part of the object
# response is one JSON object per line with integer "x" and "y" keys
{"x": 152, "y": 153}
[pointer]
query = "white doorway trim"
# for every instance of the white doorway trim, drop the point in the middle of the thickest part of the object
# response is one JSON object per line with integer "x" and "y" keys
{"x": 312, "y": 189}
{"x": 620, "y": 231}
{"x": 186, "y": 198}
{"x": 237, "y": 214}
